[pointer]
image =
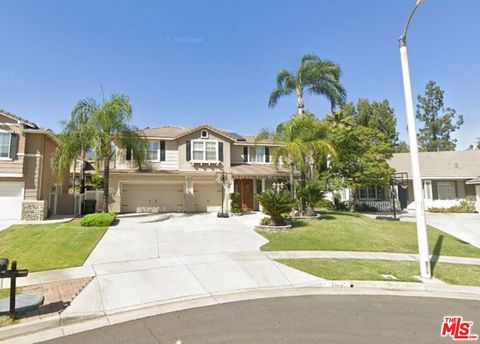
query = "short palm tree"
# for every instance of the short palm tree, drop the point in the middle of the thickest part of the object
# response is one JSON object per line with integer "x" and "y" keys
{"x": 312, "y": 193}
{"x": 314, "y": 75}
{"x": 275, "y": 205}
{"x": 105, "y": 123}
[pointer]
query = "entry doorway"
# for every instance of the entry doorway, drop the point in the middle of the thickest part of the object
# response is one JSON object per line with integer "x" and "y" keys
{"x": 245, "y": 188}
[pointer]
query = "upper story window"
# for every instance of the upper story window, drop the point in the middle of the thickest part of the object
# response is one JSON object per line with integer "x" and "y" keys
{"x": 258, "y": 154}
{"x": 5, "y": 144}
{"x": 155, "y": 150}
{"x": 205, "y": 150}
{"x": 204, "y": 134}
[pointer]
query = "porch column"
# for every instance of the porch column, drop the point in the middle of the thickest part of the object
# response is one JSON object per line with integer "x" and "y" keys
{"x": 263, "y": 190}
{"x": 189, "y": 205}
{"x": 477, "y": 192}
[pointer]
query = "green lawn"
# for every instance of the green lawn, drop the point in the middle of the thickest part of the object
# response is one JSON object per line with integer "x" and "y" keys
{"x": 355, "y": 232}
{"x": 49, "y": 246}
{"x": 372, "y": 270}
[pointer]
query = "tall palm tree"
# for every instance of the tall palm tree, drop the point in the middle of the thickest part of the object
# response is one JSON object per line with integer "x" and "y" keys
{"x": 314, "y": 75}
{"x": 106, "y": 123}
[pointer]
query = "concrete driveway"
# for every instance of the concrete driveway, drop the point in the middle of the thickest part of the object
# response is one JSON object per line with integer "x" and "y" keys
{"x": 466, "y": 227}
{"x": 147, "y": 260}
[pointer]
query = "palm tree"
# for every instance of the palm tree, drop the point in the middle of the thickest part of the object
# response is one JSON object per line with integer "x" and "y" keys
{"x": 314, "y": 75}
{"x": 105, "y": 123}
{"x": 305, "y": 139}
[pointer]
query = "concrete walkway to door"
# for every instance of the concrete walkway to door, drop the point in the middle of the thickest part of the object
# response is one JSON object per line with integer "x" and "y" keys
{"x": 147, "y": 260}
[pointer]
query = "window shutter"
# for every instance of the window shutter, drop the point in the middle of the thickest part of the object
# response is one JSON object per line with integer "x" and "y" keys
{"x": 189, "y": 150}
{"x": 220, "y": 151}
{"x": 267, "y": 154}
{"x": 162, "y": 150}
{"x": 14, "y": 146}
{"x": 245, "y": 154}
{"x": 128, "y": 154}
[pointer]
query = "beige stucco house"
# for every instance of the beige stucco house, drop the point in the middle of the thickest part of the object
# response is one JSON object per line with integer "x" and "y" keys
{"x": 184, "y": 170}
{"x": 447, "y": 178}
{"x": 28, "y": 190}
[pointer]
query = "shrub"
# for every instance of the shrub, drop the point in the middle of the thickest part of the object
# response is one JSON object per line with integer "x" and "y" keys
{"x": 326, "y": 204}
{"x": 275, "y": 205}
{"x": 365, "y": 208}
{"x": 465, "y": 206}
{"x": 338, "y": 204}
{"x": 98, "y": 220}
{"x": 235, "y": 203}
{"x": 265, "y": 221}
{"x": 311, "y": 193}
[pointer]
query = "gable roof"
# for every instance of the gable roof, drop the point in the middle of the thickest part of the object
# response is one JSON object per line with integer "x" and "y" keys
{"x": 18, "y": 118}
{"x": 171, "y": 132}
{"x": 455, "y": 164}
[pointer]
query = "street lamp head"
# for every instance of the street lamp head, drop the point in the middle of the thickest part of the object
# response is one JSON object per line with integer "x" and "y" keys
{"x": 420, "y": 2}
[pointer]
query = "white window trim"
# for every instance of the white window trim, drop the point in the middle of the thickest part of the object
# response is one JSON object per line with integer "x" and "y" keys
{"x": 255, "y": 162}
{"x": 158, "y": 150}
{"x": 7, "y": 158}
{"x": 204, "y": 143}
{"x": 368, "y": 198}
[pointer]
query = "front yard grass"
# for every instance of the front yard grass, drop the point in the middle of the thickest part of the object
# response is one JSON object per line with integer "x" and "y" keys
{"x": 49, "y": 246}
{"x": 342, "y": 231}
{"x": 372, "y": 270}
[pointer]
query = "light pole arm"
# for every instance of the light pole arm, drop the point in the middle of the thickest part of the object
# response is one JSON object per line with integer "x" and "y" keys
{"x": 403, "y": 37}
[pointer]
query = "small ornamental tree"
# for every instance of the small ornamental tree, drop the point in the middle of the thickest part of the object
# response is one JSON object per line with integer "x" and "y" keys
{"x": 312, "y": 193}
{"x": 275, "y": 205}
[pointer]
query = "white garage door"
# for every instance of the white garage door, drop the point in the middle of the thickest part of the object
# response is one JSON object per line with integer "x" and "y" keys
{"x": 208, "y": 197}
{"x": 144, "y": 198}
{"x": 11, "y": 197}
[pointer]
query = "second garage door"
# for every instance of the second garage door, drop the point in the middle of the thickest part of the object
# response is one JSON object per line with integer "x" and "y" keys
{"x": 144, "y": 198}
{"x": 208, "y": 197}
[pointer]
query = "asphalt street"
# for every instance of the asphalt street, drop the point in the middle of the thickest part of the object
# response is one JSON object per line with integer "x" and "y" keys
{"x": 302, "y": 319}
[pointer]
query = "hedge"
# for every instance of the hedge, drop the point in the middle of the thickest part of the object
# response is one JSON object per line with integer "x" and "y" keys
{"x": 98, "y": 220}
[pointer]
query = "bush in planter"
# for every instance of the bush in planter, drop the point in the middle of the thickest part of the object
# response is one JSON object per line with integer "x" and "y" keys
{"x": 98, "y": 220}
{"x": 235, "y": 203}
{"x": 275, "y": 205}
{"x": 312, "y": 193}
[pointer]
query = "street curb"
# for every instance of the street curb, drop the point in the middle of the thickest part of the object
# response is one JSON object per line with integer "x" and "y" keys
{"x": 57, "y": 326}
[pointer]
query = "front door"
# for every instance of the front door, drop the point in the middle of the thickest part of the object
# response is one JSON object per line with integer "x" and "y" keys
{"x": 245, "y": 188}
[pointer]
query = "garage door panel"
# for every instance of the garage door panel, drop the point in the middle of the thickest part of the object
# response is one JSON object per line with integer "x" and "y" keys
{"x": 11, "y": 198}
{"x": 208, "y": 197}
{"x": 141, "y": 198}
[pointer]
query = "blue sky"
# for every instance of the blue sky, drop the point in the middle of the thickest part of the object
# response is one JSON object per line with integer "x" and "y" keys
{"x": 193, "y": 62}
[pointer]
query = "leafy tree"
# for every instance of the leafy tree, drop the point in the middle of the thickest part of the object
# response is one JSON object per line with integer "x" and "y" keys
{"x": 439, "y": 123}
{"x": 402, "y": 147}
{"x": 275, "y": 205}
{"x": 314, "y": 75}
{"x": 363, "y": 153}
{"x": 105, "y": 123}
{"x": 378, "y": 115}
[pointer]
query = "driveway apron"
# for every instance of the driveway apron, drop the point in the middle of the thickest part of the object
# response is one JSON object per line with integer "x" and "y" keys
{"x": 146, "y": 260}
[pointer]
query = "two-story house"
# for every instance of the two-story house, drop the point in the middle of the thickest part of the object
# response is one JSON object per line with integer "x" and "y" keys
{"x": 28, "y": 189}
{"x": 185, "y": 168}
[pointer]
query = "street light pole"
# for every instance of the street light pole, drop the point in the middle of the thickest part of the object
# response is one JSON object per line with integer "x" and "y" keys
{"x": 424, "y": 257}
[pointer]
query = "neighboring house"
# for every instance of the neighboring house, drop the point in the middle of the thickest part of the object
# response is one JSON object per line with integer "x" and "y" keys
{"x": 447, "y": 177}
{"x": 183, "y": 171}
{"x": 28, "y": 191}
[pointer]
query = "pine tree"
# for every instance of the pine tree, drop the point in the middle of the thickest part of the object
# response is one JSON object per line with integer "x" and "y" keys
{"x": 438, "y": 122}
